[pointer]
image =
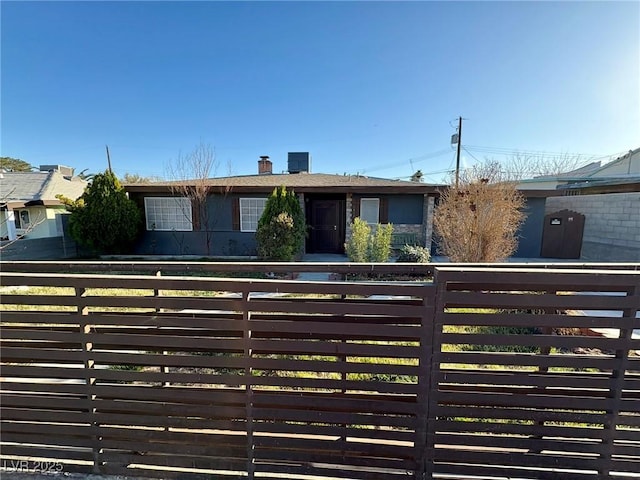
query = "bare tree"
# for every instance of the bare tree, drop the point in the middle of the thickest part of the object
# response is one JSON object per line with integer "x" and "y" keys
{"x": 478, "y": 220}
{"x": 520, "y": 166}
{"x": 190, "y": 175}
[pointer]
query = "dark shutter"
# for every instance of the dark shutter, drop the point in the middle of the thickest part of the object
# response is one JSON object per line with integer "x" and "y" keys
{"x": 355, "y": 208}
{"x": 235, "y": 213}
{"x": 384, "y": 210}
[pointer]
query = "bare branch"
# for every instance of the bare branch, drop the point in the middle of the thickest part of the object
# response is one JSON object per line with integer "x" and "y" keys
{"x": 478, "y": 220}
{"x": 26, "y": 231}
{"x": 190, "y": 176}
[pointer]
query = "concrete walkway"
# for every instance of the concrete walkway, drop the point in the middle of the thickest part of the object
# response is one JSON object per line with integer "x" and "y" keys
{"x": 320, "y": 258}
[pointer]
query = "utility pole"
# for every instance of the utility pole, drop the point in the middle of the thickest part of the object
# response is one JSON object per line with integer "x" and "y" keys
{"x": 108, "y": 158}
{"x": 458, "y": 150}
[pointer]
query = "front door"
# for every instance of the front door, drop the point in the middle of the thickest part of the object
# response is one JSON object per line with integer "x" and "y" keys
{"x": 326, "y": 226}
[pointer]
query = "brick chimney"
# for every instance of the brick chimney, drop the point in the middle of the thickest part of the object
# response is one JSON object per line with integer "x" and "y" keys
{"x": 264, "y": 165}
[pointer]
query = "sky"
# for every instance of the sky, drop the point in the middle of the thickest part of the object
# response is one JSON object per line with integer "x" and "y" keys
{"x": 371, "y": 88}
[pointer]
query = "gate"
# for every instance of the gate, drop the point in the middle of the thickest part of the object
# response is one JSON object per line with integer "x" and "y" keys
{"x": 562, "y": 235}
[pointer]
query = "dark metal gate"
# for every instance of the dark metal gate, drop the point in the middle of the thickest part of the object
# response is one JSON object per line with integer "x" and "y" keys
{"x": 562, "y": 235}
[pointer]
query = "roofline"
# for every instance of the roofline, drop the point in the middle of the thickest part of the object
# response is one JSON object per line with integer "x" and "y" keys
{"x": 418, "y": 188}
{"x": 629, "y": 154}
{"x": 13, "y": 204}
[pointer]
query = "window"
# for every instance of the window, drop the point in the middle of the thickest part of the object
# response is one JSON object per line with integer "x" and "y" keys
{"x": 370, "y": 210}
{"x": 22, "y": 219}
{"x": 168, "y": 213}
{"x": 250, "y": 212}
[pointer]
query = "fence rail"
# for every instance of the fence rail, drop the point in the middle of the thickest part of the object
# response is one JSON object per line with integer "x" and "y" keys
{"x": 482, "y": 371}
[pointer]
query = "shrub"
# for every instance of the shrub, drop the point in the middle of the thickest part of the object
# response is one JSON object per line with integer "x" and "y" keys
{"x": 363, "y": 246}
{"x": 280, "y": 237}
{"x": 274, "y": 239}
{"x": 357, "y": 248}
{"x": 380, "y": 243}
{"x": 414, "y": 254}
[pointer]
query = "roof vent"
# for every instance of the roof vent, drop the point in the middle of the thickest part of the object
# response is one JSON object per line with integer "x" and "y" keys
{"x": 299, "y": 162}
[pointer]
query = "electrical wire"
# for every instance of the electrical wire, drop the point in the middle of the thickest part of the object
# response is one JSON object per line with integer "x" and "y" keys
{"x": 418, "y": 159}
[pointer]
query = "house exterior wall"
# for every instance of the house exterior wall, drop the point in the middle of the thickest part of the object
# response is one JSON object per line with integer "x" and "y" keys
{"x": 408, "y": 213}
{"x": 44, "y": 220}
{"x": 224, "y": 240}
{"x": 405, "y": 209}
{"x": 530, "y": 233}
{"x": 612, "y": 224}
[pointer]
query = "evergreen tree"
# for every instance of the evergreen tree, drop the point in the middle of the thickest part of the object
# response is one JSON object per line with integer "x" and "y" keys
{"x": 281, "y": 237}
{"x": 104, "y": 219}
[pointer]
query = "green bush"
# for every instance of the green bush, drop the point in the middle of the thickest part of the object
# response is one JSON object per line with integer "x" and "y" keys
{"x": 274, "y": 239}
{"x": 414, "y": 254}
{"x": 363, "y": 246}
{"x": 380, "y": 243}
{"x": 357, "y": 248}
{"x": 281, "y": 228}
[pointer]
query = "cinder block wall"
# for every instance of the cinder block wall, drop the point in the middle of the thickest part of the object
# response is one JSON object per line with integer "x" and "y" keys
{"x": 611, "y": 227}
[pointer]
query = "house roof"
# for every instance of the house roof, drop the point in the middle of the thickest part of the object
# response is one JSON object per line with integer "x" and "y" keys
{"x": 38, "y": 188}
{"x": 300, "y": 182}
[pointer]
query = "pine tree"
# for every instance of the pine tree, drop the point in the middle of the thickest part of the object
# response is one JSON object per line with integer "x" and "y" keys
{"x": 281, "y": 228}
{"x": 104, "y": 219}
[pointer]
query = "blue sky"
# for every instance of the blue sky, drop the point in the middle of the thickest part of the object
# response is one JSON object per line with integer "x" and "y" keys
{"x": 366, "y": 87}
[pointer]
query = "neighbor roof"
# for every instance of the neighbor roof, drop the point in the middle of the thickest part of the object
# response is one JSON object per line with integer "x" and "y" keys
{"x": 300, "y": 182}
{"x": 38, "y": 188}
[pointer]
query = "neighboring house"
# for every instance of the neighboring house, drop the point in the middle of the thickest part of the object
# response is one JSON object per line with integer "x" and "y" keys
{"x": 29, "y": 208}
{"x": 609, "y": 198}
{"x": 235, "y": 204}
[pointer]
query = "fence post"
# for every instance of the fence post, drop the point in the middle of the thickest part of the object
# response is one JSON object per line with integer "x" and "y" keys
{"x": 248, "y": 373}
{"x": 617, "y": 384}
{"x": 90, "y": 380}
{"x": 427, "y": 384}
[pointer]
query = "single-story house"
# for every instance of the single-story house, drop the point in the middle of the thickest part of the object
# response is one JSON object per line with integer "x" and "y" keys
{"x": 235, "y": 204}
{"x": 28, "y": 205}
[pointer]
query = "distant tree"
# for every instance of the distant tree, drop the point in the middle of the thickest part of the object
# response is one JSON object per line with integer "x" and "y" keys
{"x": 14, "y": 165}
{"x": 104, "y": 219}
{"x": 281, "y": 228}
{"x": 478, "y": 221}
{"x": 135, "y": 178}
{"x": 520, "y": 166}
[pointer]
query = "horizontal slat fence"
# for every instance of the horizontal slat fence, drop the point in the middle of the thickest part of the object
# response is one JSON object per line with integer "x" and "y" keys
{"x": 521, "y": 388}
{"x": 480, "y": 372}
{"x": 173, "y": 376}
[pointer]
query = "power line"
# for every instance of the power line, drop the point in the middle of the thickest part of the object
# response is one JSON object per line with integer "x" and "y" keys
{"x": 419, "y": 159}
{"x": 514, "y": 151}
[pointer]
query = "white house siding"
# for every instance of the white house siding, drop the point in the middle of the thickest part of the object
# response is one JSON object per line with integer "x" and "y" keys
{"x": 612, "y": 224}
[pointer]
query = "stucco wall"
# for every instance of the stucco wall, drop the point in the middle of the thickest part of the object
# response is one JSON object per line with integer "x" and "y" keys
{"x": 224, "y": 240}
{"x": 612, "y": 224}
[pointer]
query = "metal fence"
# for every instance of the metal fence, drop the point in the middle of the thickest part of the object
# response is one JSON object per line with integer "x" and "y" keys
{"x": 477, "y": 372}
